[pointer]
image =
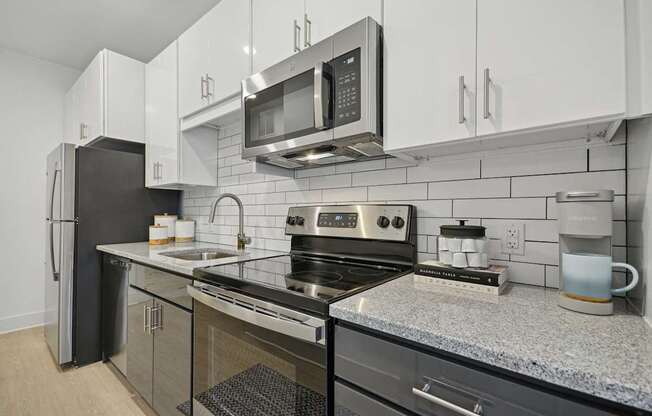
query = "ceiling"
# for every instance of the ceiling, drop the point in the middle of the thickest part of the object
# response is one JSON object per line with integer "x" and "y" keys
{"x": 71, "y": 32}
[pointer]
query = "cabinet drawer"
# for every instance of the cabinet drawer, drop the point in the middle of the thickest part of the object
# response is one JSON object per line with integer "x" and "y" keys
{"x": 349, "y": 402}
{"x": 428, "y": 385}
{"x": 168, "y": 286}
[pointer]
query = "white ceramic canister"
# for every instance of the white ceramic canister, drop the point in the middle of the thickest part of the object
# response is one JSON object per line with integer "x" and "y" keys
{"x": 168, "y": 221}
{"x": 158, "y": 235}
{"x": 185, "y": 231}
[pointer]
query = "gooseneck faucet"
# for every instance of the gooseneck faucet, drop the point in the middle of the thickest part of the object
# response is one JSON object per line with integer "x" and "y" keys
{"x": 242, "y": 238}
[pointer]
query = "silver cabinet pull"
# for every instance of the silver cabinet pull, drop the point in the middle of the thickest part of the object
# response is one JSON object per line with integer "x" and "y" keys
{"x": 487, "y": 81}
{"x": 160, "y": 170}
{"x": 154, "y": 170}
{"x": 477, "y": 409}
{"x": 82, "y": 131}
{"x": 209, "y": 80}
{"x": 583, "y": 194}
{"x": 203, "y": 89}
{"x": 460, "y": 118}
{"x": 297, "y": 36}
{"x": 307, "y": 31}
{"x": 157, "y": 316}
{"x": 147, "y": 319}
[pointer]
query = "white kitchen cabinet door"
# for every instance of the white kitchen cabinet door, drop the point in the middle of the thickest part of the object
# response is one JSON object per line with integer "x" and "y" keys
{"x": 124, "y": 97}
{"x": 274, "y": 33}
{"x": 91, "y": 100}
{"x": 549, "y": 63}
{"x": 194, "y": 61}
{"x": 229, "y": 48}
{"x": 429, "y": 45}
{"x": 328, "y": 17}
{"x": 161, "y": 119}
{"x": 71, "y": 122}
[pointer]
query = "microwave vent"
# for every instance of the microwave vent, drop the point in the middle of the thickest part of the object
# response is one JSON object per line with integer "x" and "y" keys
{"x": 368, "y": 149}
{"x": 334, "y": 159}
{"x": 284, "y": 163}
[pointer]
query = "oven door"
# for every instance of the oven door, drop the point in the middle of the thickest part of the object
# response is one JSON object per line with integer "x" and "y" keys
{"x": 289, "y": 106}
{"x": 252, "y": 358}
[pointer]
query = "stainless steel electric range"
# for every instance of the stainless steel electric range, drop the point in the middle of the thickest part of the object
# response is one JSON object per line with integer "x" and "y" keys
{"x": 262, "y": 340}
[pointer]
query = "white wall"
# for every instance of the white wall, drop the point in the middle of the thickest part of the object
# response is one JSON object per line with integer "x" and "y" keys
{"x": 492, "y": 189}
{"x": 639, "y": 209}
{"x": 31, "y": 117}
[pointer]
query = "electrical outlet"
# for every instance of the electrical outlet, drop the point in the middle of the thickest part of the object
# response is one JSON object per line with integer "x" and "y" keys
{"x": 513, "y": 241}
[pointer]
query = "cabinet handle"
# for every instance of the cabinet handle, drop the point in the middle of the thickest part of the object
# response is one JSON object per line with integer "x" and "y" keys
{"x": 82, "y": 131}
{"x": 160, "y": 170}
{"x": 477, "y": 409}
{"x": 154, "y": 170}
{"x": 208, "y": 86}
{"x": 297, "y": 36}
{"x": 157, "y": 317}
{"x": 487, "y": 81}
{"x": 307, "y": 31}
{"x": 147, "y": 319}
{"x": 460, "y": 118}
{"x": 203, "y": 82}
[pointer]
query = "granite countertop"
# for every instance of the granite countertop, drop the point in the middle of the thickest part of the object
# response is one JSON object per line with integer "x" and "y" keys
{"x": 151, "y": 255}
{"x": 523, "y": 331}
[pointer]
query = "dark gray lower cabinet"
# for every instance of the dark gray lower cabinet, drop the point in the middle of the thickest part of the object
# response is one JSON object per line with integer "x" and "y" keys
{"x": 172, "y": 358}
{"x": 427, "y": 385}
{"x": 140, "y": 352}
{"x": 159, "y": 347}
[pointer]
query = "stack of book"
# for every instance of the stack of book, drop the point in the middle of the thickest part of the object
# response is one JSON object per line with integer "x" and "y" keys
{"x": 492, "y": 280}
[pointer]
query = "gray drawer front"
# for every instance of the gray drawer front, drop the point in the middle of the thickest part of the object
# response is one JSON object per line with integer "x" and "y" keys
{"x": 392, "y": 371}
{"x": 168, "y": 286}
{"x": 349, "y": 402}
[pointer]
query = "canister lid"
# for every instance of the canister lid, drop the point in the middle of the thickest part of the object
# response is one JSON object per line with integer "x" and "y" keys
{"x": 463, "y": 230}
{"x": 599, "y": 195}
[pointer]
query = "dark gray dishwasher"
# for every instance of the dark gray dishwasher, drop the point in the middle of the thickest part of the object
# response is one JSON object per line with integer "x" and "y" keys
{"x": 382, "y": 378}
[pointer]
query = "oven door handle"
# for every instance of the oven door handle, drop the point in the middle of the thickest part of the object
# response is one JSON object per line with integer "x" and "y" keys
{"x": 311, "y": 330}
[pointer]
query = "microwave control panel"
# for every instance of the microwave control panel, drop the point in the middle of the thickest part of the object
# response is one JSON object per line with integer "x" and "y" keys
{"x": 346, "y": 70}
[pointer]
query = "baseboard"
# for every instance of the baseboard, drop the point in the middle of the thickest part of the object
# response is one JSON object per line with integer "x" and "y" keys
{"x": 18, "y": 322}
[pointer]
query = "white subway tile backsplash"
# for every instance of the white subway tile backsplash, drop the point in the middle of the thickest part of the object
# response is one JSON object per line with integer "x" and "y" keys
{"x": 493, "y": 189}
{"x": 398, "y": 192}
{"x": 475, "y": 188}
{"x": 379, "y": 177}
{"x": 535, "y": 163}
{"x": 344, "y": 194}
{"x": 444, "y": 171}
{"x": 607, "y": 157}
{"x": 330, "y": 181}
{"x": 523, "y": 208}
{"x": 548, "y": 185}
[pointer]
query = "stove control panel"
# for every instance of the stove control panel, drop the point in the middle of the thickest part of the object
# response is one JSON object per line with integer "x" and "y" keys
{"x": 374, "y": 222}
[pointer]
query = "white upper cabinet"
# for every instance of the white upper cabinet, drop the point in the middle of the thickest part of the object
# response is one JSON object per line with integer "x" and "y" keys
{"x": 214, "y": 56}
{"x": 108, "y": 100}
{"x": 275, "y": 38}
{"x": 161, "y": 119}
{"x": 546, "y": 63}
{"x": 324, "y": 18}
{"x": 429, "y": 72}
{"x": 639, "y": 57}
{"x": 173, "y": 159}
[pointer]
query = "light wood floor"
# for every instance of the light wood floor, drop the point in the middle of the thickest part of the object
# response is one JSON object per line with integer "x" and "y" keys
{"x": 31, "y": 384}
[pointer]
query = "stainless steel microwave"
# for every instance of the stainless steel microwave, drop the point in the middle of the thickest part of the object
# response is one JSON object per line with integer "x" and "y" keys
{"x": 323, "y": 105}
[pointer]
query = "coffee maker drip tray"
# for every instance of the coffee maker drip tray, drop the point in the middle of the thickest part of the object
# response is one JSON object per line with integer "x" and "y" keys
{"x": 584, "y": 305}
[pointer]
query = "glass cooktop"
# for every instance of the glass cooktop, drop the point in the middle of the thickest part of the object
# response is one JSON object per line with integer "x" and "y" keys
{"x": 301, "y": 280}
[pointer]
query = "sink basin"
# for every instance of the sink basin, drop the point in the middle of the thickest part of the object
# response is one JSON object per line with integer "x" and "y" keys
{"x": 199, "y": 254}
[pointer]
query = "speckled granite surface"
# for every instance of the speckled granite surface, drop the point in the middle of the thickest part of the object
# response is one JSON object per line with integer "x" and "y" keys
{"x": 523, "y": 331}
{"x": 151, "y": 255}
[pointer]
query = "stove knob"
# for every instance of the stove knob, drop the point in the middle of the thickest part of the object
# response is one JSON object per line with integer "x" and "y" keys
{"x": 383, "y": 221}
{"x": 291, "y": 220}
{"x": 398, "y": 222}
{"x": 300, "y": 220}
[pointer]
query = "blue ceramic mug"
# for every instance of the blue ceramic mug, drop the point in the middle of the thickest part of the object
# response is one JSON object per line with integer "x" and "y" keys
{"x": 587, "y": 276}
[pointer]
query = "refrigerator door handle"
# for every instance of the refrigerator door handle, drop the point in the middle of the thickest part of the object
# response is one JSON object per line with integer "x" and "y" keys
{"x": 54, "y": 187}
{"x": 55, "y": 273}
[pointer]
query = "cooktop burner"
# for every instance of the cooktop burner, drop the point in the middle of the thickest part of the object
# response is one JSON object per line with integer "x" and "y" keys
{"x": 298, "y": 278}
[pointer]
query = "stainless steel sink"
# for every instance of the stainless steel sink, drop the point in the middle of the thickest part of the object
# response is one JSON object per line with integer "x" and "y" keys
{"x": 199, "y": 254}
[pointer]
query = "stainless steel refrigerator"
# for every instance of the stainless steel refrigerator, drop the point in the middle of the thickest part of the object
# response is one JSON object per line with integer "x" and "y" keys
{"x": 94, "y": 196}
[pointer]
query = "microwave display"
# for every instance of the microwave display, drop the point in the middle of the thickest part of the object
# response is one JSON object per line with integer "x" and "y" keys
{"x": 346, "y": 70}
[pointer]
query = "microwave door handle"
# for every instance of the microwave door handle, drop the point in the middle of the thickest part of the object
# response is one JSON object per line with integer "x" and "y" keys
{"x": 318, "y": 96}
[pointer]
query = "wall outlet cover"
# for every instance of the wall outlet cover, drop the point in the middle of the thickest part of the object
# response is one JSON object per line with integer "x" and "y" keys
{"x": 513, "y": 239}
